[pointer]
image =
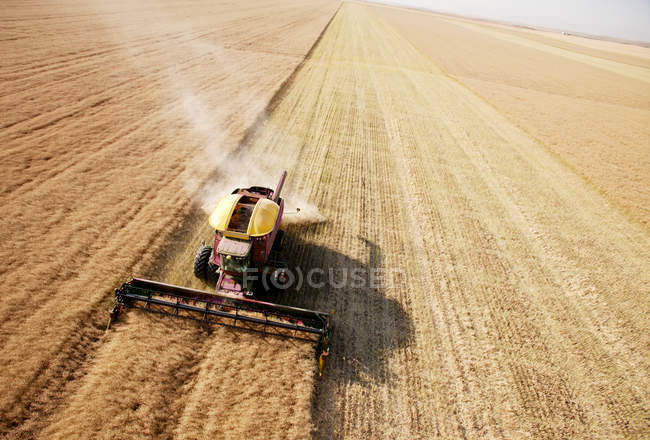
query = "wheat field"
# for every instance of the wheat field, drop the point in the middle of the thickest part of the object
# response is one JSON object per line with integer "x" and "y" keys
{"x": 517, "y": 256}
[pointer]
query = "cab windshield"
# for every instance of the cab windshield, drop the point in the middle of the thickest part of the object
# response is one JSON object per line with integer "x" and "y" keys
{"x": 234, "y": 264}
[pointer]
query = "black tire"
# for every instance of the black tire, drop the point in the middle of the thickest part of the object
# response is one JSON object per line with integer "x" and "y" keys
{"x": 211, "y": 276}
{"x": 277, "y": 244}
{"x": 201, "y": 262}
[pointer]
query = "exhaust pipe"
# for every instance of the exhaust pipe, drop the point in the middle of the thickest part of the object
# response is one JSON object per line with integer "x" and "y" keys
{"x": 278, "y": 189}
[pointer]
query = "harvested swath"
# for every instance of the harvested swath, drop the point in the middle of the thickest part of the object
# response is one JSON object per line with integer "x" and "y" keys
{"x": 520, "y": 300}
{"x": 594, "y": 119}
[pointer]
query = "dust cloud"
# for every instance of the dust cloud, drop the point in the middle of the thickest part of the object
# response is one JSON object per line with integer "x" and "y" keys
{"x": 239, "y": 168}
{"x": 218, "y": 163}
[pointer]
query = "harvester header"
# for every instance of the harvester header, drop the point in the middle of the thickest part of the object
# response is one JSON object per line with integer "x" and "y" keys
{"x": 213, "y": 308}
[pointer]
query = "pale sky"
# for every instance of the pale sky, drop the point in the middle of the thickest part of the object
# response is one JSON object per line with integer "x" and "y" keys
{"x": 626, "y": 19}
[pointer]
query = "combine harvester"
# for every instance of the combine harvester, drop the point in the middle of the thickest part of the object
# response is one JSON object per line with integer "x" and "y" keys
{"x": 243, "y": 264}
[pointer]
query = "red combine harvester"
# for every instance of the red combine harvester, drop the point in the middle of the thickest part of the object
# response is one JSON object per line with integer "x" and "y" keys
{"x": 244, "y": 265}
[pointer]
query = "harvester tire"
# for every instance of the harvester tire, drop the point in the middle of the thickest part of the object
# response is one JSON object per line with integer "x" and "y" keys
{"x": 211, "y": 275}
{"x": 201, "y": 262}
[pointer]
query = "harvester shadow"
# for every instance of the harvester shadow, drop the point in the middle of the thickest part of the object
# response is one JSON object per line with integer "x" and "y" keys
{"x": 369, "y": 326}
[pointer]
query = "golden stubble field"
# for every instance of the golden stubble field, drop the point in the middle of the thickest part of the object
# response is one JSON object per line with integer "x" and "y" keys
{"x": 588, "y": 101}
{"x": 518, "y": 303}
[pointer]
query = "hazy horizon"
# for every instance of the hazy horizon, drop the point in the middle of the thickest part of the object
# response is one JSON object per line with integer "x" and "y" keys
{"x": 627, "y": 20}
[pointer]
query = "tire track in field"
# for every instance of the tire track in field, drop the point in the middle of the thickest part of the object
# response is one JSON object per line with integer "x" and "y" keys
{"x": 601, "y": 111}
{"x": 587, "y": 197}
{"x": 452, "y": 320}
{"x": 460, "y": 310}
{"x": 453, "y": 121}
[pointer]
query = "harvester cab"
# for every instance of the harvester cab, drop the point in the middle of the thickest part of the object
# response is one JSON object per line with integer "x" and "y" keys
{"x": 247, "y": 231}
{"x": 244, "y": 264}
